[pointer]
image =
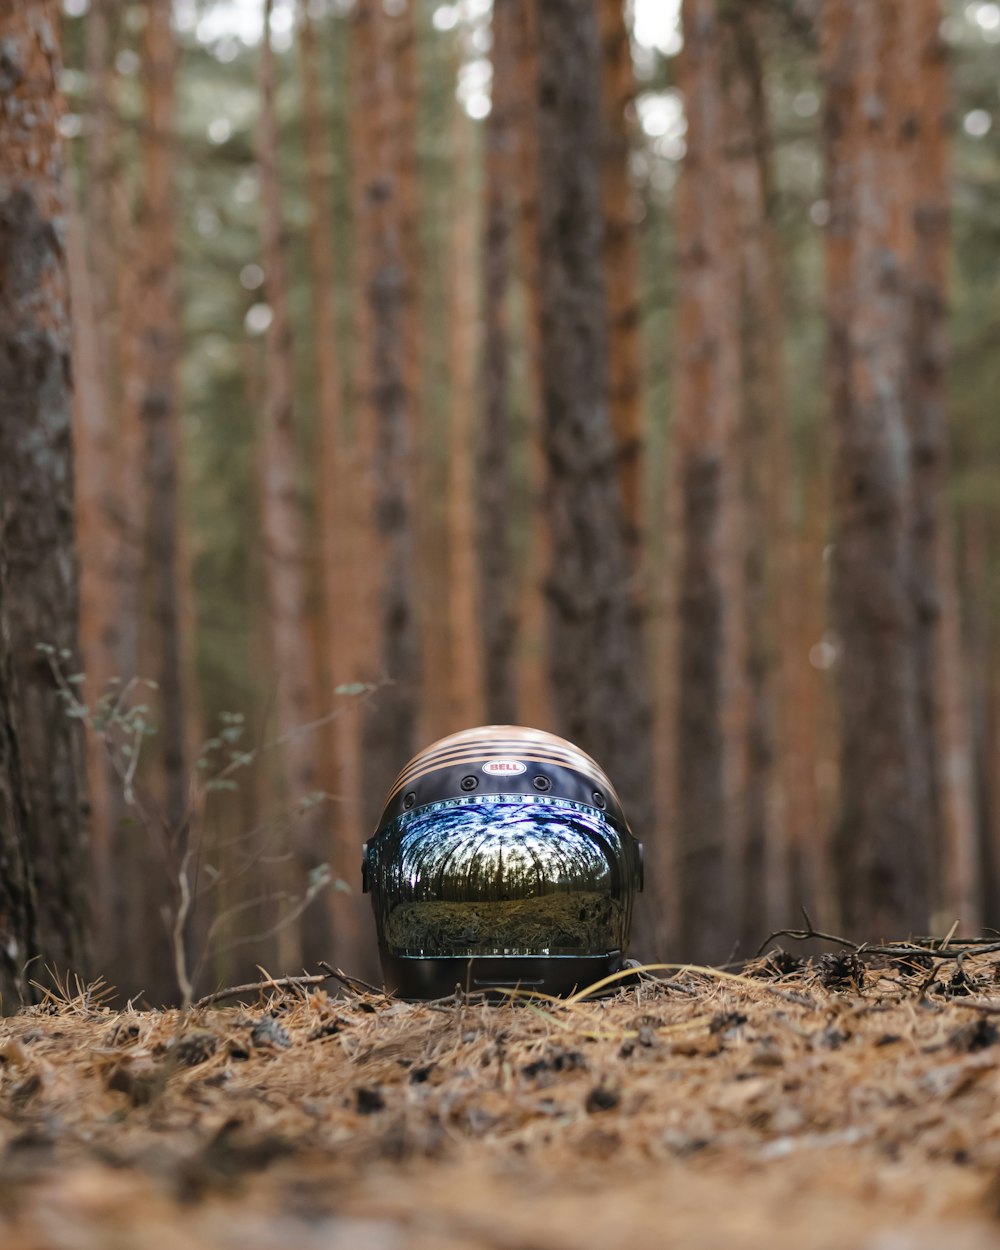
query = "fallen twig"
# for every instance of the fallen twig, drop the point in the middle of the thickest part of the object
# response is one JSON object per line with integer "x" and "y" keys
{"x": 280, "y": 983}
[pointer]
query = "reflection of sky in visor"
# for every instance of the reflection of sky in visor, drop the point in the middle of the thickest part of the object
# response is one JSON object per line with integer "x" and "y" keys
{"x": 503, "y": 849}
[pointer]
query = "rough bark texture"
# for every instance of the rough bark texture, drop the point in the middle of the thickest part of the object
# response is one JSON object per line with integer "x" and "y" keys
{"x": 466, "y": 691}
{"x": 493, "y": 478}
{"x": 621, "y": 265}
{"x": 283, "y": 540}
{"x": 391, "y": 718}
{"x": 882, "y": 840}
{"x": 705, "y": 415}
{"x": 763, "y": 467}
{"x": 340, "y": 741}
{"x": 594, "y": 644}
{"x": 18, "y": 923}
{"x": 42, "y": 794}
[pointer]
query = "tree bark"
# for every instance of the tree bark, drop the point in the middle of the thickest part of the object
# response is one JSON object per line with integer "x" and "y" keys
{"x": 534, "y": 694}
{"x": 882, "y": 839}
{"x": 621, "y": 266}
{"x": 595, "y": 650}
{"x": 93, "y": 265}
{"x": 763, "y": 455}
{"x": 467, "y": 694}
{"x": 283, "y": 538}
{"x": 924, "y": 131}
{"x": 706, "y": 415}
{"x": 154, "y": 324}
{"x": 493, "y": 478}
{"x": 42, "y": 791}
{"x": 389, "y": 732}
{"x": 333, "y": 516}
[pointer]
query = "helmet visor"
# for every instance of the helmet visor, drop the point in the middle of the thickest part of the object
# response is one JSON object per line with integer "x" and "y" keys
{"x": 503, "y": 875}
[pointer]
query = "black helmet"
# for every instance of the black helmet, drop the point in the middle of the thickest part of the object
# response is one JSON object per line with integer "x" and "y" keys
{"x": 502, "y": 858}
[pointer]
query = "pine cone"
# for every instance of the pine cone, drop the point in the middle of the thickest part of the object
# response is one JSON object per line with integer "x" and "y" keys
{"x": 841, "y": 971}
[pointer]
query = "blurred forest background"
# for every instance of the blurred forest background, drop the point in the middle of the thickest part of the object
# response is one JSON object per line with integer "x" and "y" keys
{"x": 585, "y": 364}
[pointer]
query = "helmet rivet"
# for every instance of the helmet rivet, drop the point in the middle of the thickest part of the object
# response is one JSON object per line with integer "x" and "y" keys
{"x": 410, "y": 799}
{"x": 470, "y": 783}
{"x": 600, "y": 800}
{"x": 541, "y": 783}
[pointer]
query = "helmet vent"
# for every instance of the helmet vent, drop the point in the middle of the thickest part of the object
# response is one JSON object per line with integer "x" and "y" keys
{"x": 470, "y": 782}
{"x": 541, "y": 783}
{"x": 599, "y": 800}
{"x": 410, "y": 799}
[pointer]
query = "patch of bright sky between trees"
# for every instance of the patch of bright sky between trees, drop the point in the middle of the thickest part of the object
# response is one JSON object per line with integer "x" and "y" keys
{"x": 226, "y": 27}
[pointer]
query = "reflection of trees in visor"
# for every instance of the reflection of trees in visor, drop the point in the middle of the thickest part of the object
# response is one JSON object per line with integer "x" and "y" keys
{"x": 503, "y": 875}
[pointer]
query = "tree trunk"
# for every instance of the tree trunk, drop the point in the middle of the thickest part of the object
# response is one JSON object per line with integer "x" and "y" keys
{"x": 467, "y": 695}
{"x": 42, "y": 794}
{"x": 534, "y": 695}
{"x": 595, "y": 652}
{"x": 391, "y": 717}
{"x": 493, "y": 478}
{"x": 332, "y": 514}
{"x": 154, "y": 323}
{"x": 763, "y": 453}
{"x": 18, "y": 923}
{"x": 621, "y": 266}
{"x": 882, "y": 841}
{"x": 926, "y": 125}
{"x": 706, "y": 415}
{"x": 283, "y": 541}
{"x": 93, "y": 272}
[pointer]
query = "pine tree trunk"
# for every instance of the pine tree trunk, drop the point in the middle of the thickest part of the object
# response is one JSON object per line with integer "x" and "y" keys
{"x": 467, "y": 701}
{"x": 158, "y": 352}
{"x": 42, "y": 791}
{"x": 283, "y": 539}
{"x": 390, "y": 724}
{"x": 18, "y": 922}
{"x": 882, "y": 841}
{"x": 93, "y": 270}
{"x": 534, "y": 694}
{"x": 706, "y": 414}
{"x": 333, "y": 517}
{"x": 595, "y": 652}
{"x": 93, "y": 448}
{"x": 926, "y": 123}
{"x": 621, "y": 266}
{"x": 763, "y": 455}
{"x": 493, "y": 477}
{"x": 154, "y": 323}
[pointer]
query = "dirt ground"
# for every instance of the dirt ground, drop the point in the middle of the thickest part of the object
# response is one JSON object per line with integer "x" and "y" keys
{"x": 701, "y": 1112}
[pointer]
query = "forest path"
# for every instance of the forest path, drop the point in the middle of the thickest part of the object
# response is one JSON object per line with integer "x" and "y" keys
{"x": 703, "y": 1113}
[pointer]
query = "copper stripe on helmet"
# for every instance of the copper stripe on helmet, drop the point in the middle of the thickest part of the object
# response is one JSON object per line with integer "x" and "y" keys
{"x": 500, "y": 740}
{"x": 475, "y": 759}
{"x": 499, "y": 750}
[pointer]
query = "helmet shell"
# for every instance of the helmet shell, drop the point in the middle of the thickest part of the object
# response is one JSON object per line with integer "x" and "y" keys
{"x": 502, "y": 857}
{"x": 502, "y": 759}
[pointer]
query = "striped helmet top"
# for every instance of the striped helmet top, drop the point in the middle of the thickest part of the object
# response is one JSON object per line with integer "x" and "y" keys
{"x": 500, "y": 759}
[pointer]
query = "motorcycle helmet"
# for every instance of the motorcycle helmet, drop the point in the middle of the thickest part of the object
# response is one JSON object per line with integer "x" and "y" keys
{"x": 502, "y": 858}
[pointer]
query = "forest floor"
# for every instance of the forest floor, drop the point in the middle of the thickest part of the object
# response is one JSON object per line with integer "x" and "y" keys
{"x": 700, "y": 1112}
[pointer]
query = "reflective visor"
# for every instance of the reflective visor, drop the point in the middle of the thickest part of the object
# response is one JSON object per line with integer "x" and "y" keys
{"x": 503, "y": 875}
